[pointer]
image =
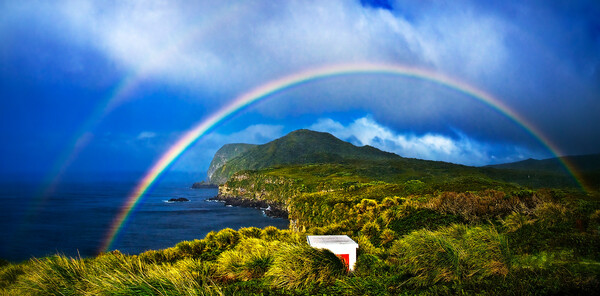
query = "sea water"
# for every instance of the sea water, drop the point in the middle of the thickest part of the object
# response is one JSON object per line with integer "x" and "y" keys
{"x": 74, "y": 219}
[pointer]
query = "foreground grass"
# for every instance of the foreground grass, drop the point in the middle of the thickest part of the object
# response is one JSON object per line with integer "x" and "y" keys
{"x": 477, "y": 258}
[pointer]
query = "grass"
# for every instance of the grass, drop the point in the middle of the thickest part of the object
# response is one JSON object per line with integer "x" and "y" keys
{"x": 297, "y": 266}
{"x": 457, "y": 253}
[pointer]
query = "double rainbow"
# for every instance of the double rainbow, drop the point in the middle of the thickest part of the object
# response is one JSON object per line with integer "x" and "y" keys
{"x": 278, "y": 85}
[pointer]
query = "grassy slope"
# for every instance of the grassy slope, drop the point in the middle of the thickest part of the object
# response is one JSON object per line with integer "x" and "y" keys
{"x": 298, "y": 147}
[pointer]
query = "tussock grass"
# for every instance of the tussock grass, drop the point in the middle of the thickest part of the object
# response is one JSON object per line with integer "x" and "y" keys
{"x": 484, "y": 205}
{"x": 250, "y": 259}
{"x": 56, "y": 275}
{"x": 116, "y": 274}
{"x": 186, "y": 277}
{"x": 297, "y": 266}
{"x": 457, "y": 253}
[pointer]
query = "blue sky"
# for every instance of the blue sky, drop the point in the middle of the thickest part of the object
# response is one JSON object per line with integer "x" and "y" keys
{"x": 61, "y": 62}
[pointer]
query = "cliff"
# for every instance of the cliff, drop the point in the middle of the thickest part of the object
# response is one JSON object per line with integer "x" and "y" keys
{"x": 224, "y": 154}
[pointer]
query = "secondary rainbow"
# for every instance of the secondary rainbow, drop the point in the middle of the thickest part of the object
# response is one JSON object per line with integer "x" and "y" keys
{"x": 278, "y": 85}
{"x": 125, "y": 89}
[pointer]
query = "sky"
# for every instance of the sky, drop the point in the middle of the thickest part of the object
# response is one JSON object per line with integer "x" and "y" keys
{"x": 91, "y": 87}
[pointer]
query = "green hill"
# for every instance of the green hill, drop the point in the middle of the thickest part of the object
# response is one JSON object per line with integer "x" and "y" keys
{"x": 305, "y": 147}
{"x": 226, "y": 153}
{"x": 298, "y": 147}
{"x": 528, "y": 171}
{"x": 581, "y": 162}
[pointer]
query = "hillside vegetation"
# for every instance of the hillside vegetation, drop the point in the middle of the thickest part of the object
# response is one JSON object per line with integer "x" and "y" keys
{"x": 298, "y": 147}
{"x": 423, "y": 227}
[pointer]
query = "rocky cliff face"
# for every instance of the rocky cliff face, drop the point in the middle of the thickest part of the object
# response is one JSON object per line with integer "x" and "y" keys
{"x": 255, "y": 189}
{"x": 224, "y": 154}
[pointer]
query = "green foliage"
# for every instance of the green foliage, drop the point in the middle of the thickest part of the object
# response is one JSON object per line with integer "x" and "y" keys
{"x": 412, "y": 219}
{"x": 457, "y": 253}
{"x": 483, "y": 205}
{"x": 298, "y": 147}
{"x": 250, "y": 259}
{"x": 297, "y": 266}
{"x": 10, "y": 273}
{"x": 250, "y": 232}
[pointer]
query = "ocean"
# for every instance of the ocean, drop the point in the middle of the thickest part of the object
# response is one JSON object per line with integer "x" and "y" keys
{"x": 74, "y": 219}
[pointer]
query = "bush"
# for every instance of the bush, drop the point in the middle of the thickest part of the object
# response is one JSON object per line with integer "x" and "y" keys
{"x": 226, "y": 238}
{"x": 370, "y": 230}
{"x": 250, "y": 259}
{"x": 481, "y": 206}
{"x": 250, "y": 232}
{"x": 298, "y": 266}
{"x": 270, "y": 233}
{"x": 414, "y": 219}
{"x": 452, "y": 254}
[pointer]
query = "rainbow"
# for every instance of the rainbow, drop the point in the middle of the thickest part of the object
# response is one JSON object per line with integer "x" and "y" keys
{"x": 278, "y": 85}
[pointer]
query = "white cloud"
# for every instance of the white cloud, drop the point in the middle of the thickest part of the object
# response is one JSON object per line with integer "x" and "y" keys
{"x": 253, "y": 134}
{"x": 461, "y": 149}
{"x": 249, "y": 42}
{"x": 146, "y": 135}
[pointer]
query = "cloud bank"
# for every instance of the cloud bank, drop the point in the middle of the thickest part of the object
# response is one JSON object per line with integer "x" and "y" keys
{"x": 459, "y": 149}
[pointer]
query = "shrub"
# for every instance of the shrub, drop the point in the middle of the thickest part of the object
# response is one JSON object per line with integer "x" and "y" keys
{"x": 152, "y": 257}
{"x": 551, "y": 214}
{"x": 186, "y": 277}
{"x": 412, "y": 219}
{"x": 370, "y": 230}
{"x": 478, "y": 206}
{"x": 226, "y": 238}
{"x": 516, "y": 221}
{"x": 297, "y": 266}
{"x": 191, "y": 248}
{"x": 387, "y": 236}
{"x": 250, "y": 232}
{"x": 452, "y": 254}
{"x": 595, "y": 222}
{"x": 250, "y": 259}
{"x": 366, "y": 246}
{"x": 270, "y": 233}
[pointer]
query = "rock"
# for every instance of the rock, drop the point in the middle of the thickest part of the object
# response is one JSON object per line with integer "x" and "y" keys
{"x": 199, "y": 185}
{"x": 270, "y": 209}
{"x": 181, "y": 199}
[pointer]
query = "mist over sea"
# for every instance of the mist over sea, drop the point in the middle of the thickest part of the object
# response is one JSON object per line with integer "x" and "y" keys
{"x": 74, "y": 219}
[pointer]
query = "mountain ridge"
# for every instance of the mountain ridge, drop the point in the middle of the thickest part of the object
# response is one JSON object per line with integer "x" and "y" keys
{"x": 305, "y": 147}
{"x": 584, "y": 162}
{"x": 298, "y": 147}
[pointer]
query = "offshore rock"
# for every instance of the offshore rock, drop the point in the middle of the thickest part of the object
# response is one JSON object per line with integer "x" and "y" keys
{"x": 200, "y": 185}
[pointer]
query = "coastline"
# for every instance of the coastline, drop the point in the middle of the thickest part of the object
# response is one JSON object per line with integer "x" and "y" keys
{"x": 202, "y": 185}
{"x": 273, "y": 210}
